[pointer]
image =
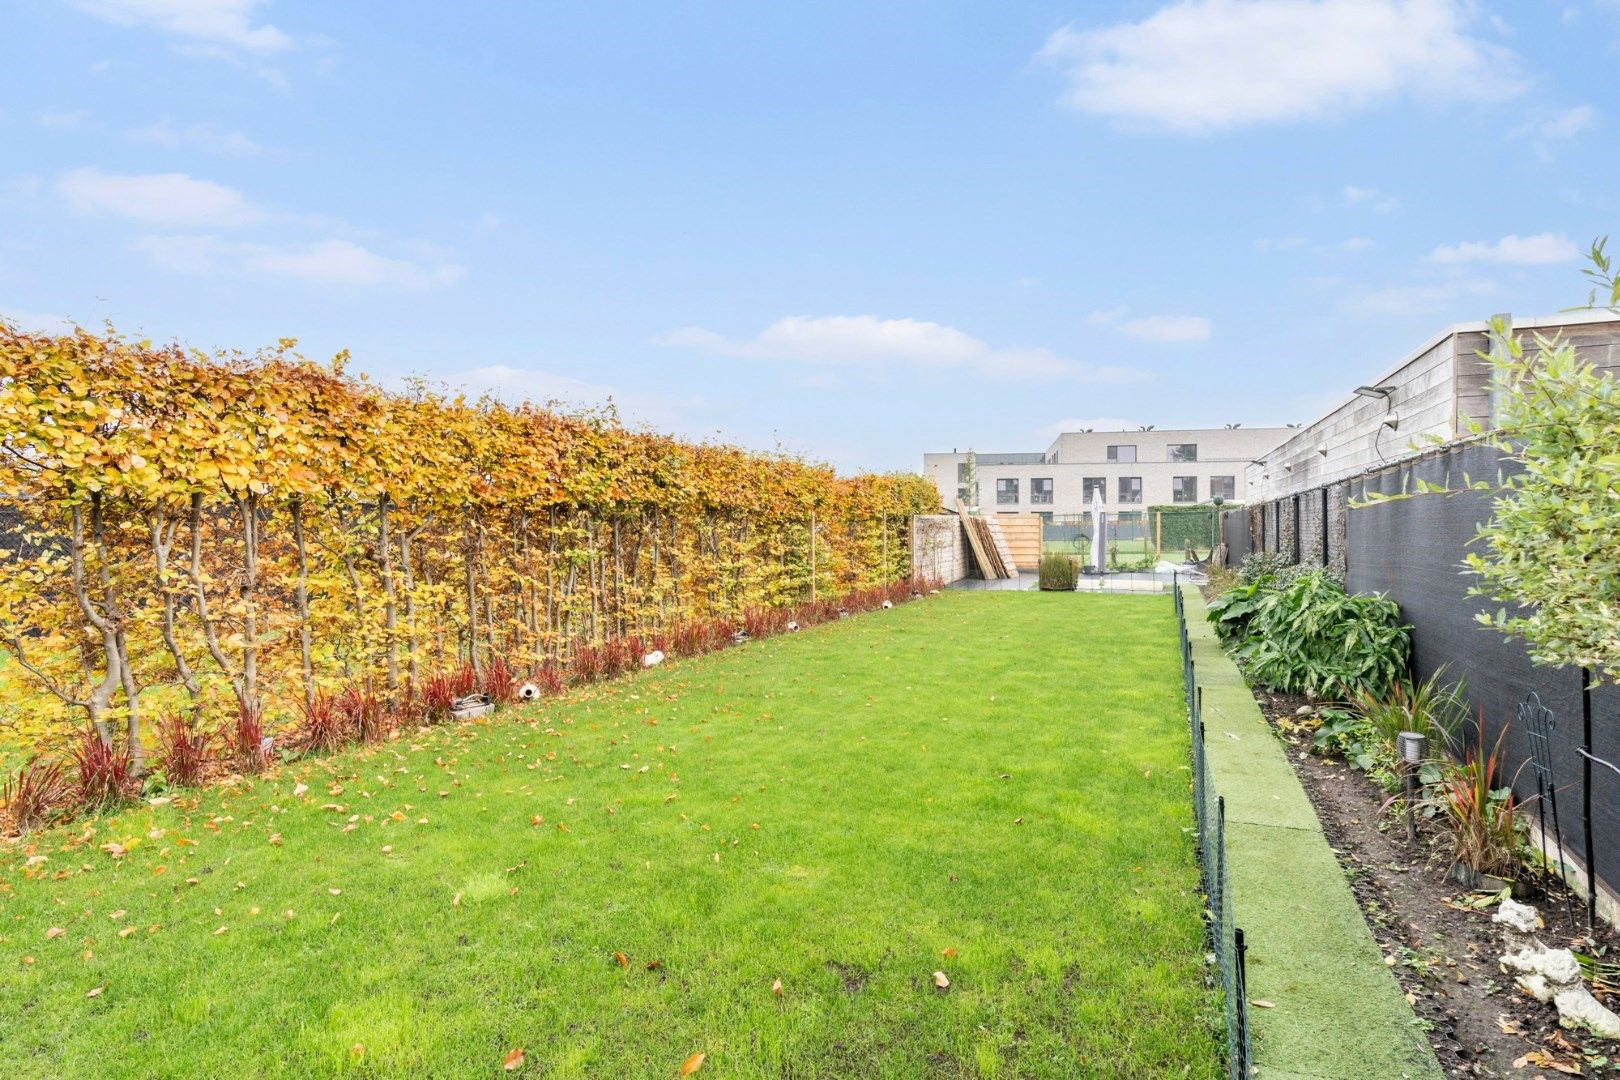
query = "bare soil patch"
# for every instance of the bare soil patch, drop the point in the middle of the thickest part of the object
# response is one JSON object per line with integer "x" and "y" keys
{"x": 1443, "y": 952}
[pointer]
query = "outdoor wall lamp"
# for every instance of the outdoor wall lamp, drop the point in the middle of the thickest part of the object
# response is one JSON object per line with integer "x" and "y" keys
{"x": 1375, "y": 391}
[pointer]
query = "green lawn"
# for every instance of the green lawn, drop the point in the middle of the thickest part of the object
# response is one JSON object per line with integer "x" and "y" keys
{"x": 1002, "y": 775}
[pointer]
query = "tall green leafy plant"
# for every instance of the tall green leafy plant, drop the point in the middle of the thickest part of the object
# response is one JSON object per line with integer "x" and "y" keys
{"x": 1551, "y": 551}
{"x": 1312, "y": 637}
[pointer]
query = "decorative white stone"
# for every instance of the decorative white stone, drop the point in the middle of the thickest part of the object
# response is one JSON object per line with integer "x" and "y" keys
{"x": 529, "y": 692}
{"x": 1550, "y": 975}
{"x": 653, "y": 659}
{"x": 887, "y": 604}
{"x": 793, "y": 627}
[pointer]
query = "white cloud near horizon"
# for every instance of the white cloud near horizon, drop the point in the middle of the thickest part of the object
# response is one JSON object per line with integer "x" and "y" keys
{"x": 203, "y": 136}
{"x": 172, "y": 200}
{"x": 1422, "y": 298}
{"x": 325, "y": 262}
{"x": 1168, "y": 329}
{"x": 1200, "y": 66}
{"x": 1543, "y": 249}
{"x": 231, "y": 24}
{"x": 870, "y": 342}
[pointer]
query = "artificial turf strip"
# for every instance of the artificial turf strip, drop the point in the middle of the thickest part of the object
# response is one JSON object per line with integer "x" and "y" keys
{"x": 1337, "y": 1012}
{"x": 998, "y": 774}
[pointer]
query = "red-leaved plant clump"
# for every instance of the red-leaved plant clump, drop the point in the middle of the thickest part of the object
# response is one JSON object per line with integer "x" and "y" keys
{"x": 365, "y": 716}
{"x": 500, "y": 681}
{"x": 183, "y": 749}
{"x": 435, "y": 694}
{"x": 551, "y": 679}
{"x": 244, "y": 738}
{"x": 325, "y": 725}
{"x": 616, "y": 657}
{"x": 36, "y": 794}
{"x": 105, "y": 774}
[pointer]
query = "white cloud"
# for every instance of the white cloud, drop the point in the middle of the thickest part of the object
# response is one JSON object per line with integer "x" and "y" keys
{"x": 1168, "y": 328}
{"x": 1568, "y": 123}
{"x": 169, "y": 199}
{"x": 62, "y": 121}
{"x": 1208, "y": 65}
{"x": 37, "y": 322}
{"x": 1355, "y": 243}
{"x": 1095, "y": 423}
{"x": 1280, "y": 243}
{"x": 1353, "y": 194}
{"x": 870, "y": 342}
{"x": 327, "y": 262}
{"x": 1432, "y": 299}
{"x": 203, "y": 136}
{"x": 1538, "y": 250}
{"x": 227, "y": 23}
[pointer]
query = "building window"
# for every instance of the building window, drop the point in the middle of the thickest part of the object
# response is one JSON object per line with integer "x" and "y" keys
{"x": 1093, "y": 488}
{"x": 1040, "y": 490}
{"x": 1181, "y": 451}
{"x": 1184, "y": 489}
{"x": 1130, "y": 489}
{"x": 1122, "y": 453}
{"x": 962, "y": 472}
{"x": 1223, "y": 488}
{"x": 1007, "y": 492}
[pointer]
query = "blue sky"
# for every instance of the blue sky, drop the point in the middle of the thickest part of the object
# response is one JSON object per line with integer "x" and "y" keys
{"x": 859, "y": 231}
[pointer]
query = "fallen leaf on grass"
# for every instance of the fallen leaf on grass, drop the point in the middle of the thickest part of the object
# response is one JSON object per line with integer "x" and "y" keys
{"x": 1261, "y": 1003}
{"x": 126, "y": 931}
{"x": 96, "y": 992}
{"x": 940, "y": 981}
{"x": 948, "y": 952}
{"x": 693, "y": 1063}
{"x": 514, "y": 1060}
{"x": 221, "y": 930}
{"x": 54, "y": 932}
{"x": 1509, "y": 1025}
{"x": 621, "y": 959}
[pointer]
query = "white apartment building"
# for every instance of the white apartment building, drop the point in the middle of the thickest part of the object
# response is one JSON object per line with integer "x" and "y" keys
{"x": 1133, "y": 469}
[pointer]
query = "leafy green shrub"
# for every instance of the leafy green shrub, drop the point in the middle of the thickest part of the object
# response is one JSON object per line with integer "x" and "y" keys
{"x": 1232, "y": 610}
{"x": 1059, "y": 571}
{"x": 1312, "y": 637}
{"x": 1347, "y": 734}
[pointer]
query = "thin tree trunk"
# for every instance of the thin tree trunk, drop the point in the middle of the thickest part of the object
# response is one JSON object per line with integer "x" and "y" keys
{"x": 301, "y": 601}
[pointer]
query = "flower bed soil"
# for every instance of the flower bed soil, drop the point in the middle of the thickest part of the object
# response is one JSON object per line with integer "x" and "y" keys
{"x": 1444, "y": 954}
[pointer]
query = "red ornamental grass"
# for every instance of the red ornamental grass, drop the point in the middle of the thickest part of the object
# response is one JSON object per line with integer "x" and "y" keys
{"x": 364, "y": 716}
{"x": 551, "y": 679}
{"x": 616, "y": 657}
{"x": 586, "y": 665}
{"x": 639, "y": 647}
{"x": 183, "y": 749}
{"x": 244, "y": 738}
{"x": 464, "y": 680}
{"x": 500, "y": 681}
{"x": 324, "y": 724}
{"x": 106, "y": 774}
{"x": 36, "y": 794}
{"x": 436, "y": 693}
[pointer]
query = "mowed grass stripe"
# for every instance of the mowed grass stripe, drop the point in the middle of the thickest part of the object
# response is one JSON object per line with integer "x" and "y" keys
{"x": 886, "y": 762}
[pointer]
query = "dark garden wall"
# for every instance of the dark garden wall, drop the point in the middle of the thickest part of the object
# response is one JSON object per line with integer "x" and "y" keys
{"x": 1411, "y": 549}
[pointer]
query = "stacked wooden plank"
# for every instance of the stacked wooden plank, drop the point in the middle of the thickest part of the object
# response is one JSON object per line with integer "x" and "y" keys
{"x": 988, "y": 545}
{"x": 1003, "y": 550}
{"x": 1023, "y": 532}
